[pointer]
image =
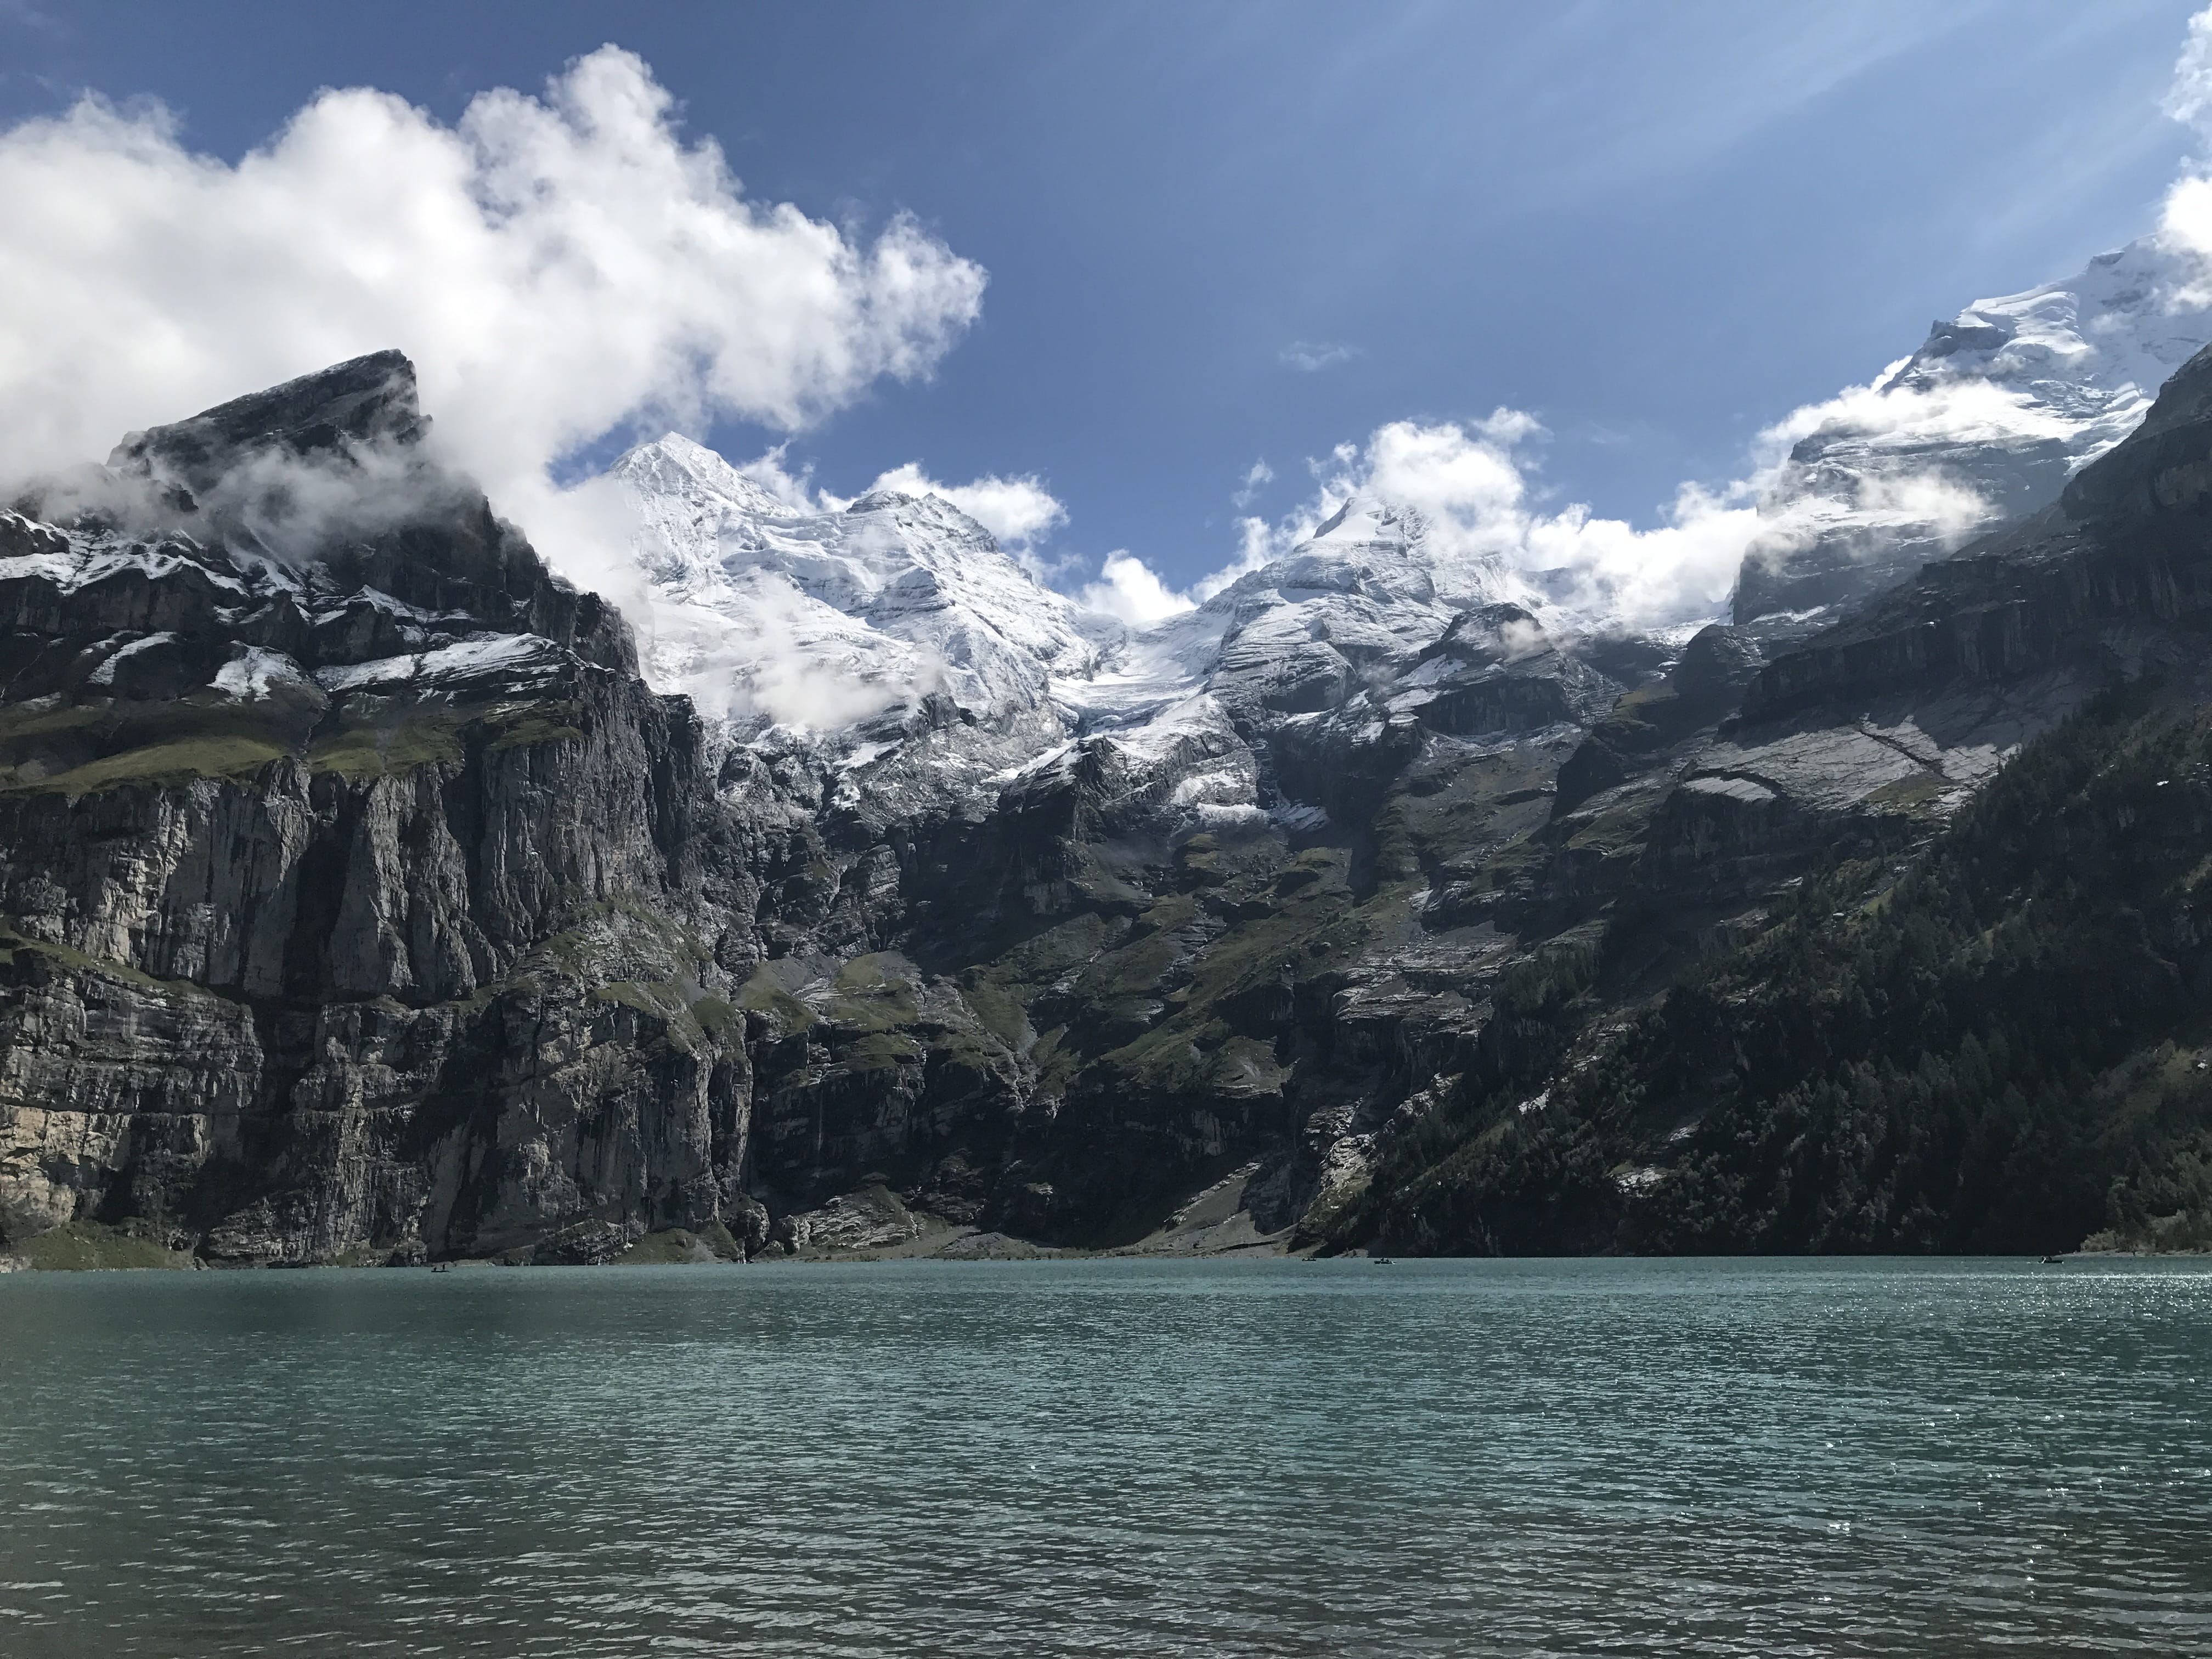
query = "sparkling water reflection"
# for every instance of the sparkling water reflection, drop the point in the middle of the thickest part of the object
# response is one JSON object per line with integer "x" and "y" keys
{"x": 1110, "y": 1457}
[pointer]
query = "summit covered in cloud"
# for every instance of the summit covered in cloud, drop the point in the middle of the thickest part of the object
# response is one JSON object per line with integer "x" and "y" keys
{"x": 564, "y": 269}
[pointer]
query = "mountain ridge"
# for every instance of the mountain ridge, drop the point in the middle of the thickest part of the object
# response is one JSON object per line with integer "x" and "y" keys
{"x": 366, "y": 900}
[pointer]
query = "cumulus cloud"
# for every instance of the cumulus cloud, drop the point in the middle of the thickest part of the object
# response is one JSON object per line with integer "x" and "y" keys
{"x": 560, "y": 268}
{"x": 1131, "y": 591}
{"x": 1471, "y": 483}
{"x": 1311, "y": 356}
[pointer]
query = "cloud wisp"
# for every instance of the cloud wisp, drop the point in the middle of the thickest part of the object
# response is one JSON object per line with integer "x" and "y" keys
{"x": 1311, "y": 356}
{"x": 1248, "y": 488}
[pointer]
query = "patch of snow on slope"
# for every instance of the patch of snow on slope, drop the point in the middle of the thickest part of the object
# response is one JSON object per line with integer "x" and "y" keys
{"x": 510, "y": 660}
{"x": 255, "y": 673}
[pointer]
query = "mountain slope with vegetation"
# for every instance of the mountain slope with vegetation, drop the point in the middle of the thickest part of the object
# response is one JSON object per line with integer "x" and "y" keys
{"x": 1999, "y": 1043}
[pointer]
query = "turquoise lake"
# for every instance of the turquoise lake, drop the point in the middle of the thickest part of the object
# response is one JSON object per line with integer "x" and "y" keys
{"x": 1111, "y": 1457}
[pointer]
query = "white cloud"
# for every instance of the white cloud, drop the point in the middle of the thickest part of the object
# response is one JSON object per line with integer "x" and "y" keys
{"x": 2189, "y": 99}
{"x": 1019, "y": 511}
{"x": 1471, "y": 484}
{"x": 1130, "y": 591}
{"x": 2185, "y": 220}
{"x": 1475, "y": 483}
{"x": 1478, "y": 487}
{"x": 1258, "y": 478}
{"x": 1311, "y": 356}
{"x": 559, "y": 268}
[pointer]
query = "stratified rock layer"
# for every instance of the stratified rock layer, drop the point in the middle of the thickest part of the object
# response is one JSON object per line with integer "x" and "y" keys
{"x": 351, "y": 880}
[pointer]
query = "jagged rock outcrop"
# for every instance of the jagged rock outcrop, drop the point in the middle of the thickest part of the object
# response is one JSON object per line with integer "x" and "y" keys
{"x": 356, "y": 893}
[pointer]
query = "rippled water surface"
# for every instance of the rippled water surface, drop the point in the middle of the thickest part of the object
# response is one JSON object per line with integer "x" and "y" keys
{"x": 1110, "y": 1457}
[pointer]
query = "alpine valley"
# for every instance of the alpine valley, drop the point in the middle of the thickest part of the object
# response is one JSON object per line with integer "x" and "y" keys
{"x": 369, "y": 893}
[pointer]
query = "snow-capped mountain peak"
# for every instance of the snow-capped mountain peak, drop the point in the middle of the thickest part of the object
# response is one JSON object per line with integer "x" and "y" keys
{"x": 825, "y": 616}
{"x": 1987, "y": 420}
{"x": 685, "y": 492}
{"x": 767, "y": 611}
{"x": 2091, "y": 346}
{"x": 1373, "y": 564}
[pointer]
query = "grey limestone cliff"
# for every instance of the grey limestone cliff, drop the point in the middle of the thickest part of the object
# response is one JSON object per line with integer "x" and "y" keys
{"x": 353, "y": 886}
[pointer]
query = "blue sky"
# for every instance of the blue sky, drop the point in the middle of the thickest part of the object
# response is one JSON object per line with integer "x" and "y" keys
{"x": 1219, "y": 234}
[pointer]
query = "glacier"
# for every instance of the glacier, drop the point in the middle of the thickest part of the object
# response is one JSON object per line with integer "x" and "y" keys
{"x": 767, "y": 613}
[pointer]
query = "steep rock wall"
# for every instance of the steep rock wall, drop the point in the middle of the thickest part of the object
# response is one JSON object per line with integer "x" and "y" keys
{"x": 356, "y": 892}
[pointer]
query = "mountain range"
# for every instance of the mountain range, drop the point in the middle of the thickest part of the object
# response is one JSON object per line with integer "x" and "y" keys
{"x": 370, "y": 893}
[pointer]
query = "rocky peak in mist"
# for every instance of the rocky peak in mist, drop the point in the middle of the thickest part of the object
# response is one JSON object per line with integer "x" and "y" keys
{"x": 1988, "y": 419}
{"x": 367, "y": 403}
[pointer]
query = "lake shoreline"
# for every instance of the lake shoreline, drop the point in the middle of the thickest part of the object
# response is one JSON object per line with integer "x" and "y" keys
{"x": 91, "y": 1252}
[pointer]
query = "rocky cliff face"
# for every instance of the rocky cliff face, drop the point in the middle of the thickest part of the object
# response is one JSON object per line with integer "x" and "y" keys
{"x": 362, "y": 901}
{"x": 357, "y": 894}
{"x": 1936, "y": 1005}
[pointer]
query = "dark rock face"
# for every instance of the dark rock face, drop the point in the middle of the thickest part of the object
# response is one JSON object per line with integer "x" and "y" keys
{"x": 1699, "y": 691}
{"x": 1797, "y": 1090}
{"x": 353, "y": 905}
{"x": 366, "y": 404}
